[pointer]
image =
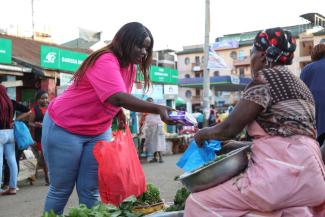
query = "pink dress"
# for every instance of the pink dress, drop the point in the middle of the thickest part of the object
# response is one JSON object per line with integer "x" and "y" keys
{"x": 285, "y": 178}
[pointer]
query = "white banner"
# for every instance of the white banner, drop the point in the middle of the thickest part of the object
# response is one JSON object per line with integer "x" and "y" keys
{"x": 170, "y": 89}
{"x": 215, "y": 61}
{"x": 65, "y": 79}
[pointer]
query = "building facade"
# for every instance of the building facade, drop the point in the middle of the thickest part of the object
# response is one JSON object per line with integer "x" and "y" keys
{"x": 28, "y": 65}
{"x": 235, "y": 50}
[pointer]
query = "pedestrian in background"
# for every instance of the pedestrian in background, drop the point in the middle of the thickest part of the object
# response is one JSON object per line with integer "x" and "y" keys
{"x": 22, "y": 113}
{"x": 155, "y": 141}
{"x": 7, "y": 140}
{"x": 313, "y": 75}
{"x": 83, "y": 114}
{"x": 35, "y": 124}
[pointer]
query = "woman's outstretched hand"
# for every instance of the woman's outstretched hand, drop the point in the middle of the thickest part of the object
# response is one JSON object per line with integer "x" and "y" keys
{"x": 164, "y": 111}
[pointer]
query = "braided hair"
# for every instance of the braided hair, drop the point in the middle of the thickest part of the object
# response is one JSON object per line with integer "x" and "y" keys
{"x": 6, "y": 108}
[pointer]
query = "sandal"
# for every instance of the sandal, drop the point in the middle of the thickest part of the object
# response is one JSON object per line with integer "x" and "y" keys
{"x": 5, "y": 187}
{"x": 9, "y": 192}
{"x": 153, "y": 160}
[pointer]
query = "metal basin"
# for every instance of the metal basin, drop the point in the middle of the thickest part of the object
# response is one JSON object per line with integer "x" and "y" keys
{"x": 217, "y": 172}
{"x": 167, "y": 214}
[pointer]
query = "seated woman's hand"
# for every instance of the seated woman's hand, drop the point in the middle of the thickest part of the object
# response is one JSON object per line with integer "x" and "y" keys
{"x": 202, "y": 135}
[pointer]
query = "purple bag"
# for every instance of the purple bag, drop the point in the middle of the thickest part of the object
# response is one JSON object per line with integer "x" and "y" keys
{"x": 186, "y": 118}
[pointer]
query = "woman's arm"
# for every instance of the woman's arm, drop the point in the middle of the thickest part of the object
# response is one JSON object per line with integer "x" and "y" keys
{"x": 23, "y": 116}
{"x": 244, "y": 113}
{"x": 31, "y": 121}
{"x": 22, "y": 109}
{"x": 134, "y": 104}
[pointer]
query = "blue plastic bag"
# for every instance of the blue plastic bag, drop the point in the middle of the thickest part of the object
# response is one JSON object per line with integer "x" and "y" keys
{"x": 22, "y": 135}
{"x": 195, "y": 157}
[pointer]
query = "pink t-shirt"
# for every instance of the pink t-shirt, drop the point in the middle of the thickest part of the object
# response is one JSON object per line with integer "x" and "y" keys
{"x": 82, "y": 110}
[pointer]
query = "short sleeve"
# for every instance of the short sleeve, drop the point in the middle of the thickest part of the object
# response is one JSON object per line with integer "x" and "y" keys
{"x": 259, "y": 94}
{"x": 19, "y": 107}
{"x": 105, "y": 77}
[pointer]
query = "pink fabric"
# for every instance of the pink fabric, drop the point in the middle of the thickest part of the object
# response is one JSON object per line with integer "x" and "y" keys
{"x": 284, "y": 178}
{"x": 82, "y": 110}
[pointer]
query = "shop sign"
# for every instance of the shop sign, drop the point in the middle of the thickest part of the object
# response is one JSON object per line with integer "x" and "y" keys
{"x": 137, "y": 91}
{"x": 160, "y": 75}
{"x": 65, "y": 79}
{"x": 170, "y": 89}
{"x": 5, "y": 51}
{"x": 173, "y": 76}
{"x": 56, "y": 58}
{"x": 234, "y": 79}
{"x": 156, "y": 92}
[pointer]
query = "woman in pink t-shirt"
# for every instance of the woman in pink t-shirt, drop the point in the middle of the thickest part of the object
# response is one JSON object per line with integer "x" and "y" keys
{"x": 83, "y": 114}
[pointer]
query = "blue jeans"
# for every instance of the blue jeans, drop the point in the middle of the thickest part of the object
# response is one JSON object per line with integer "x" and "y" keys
{"x": 7, "y": 147}
{"x": 70, "y": 161}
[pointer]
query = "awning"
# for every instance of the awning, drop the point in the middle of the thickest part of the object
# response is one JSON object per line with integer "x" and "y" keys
{"x": 180, "y": 101}
{"x": 220, "y": 83}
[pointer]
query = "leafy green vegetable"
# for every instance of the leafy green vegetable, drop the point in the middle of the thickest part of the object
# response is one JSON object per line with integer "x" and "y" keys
{"x": 151, "y": 196}
{"x": 179, "y": 200}
{"x": 101, "y": 210}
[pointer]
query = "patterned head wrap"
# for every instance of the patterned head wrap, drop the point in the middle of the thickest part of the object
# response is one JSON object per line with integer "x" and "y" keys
{"x": 278, "y": 45}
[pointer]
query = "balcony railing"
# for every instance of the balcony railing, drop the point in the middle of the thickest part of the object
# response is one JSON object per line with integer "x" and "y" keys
{"x": 242, "y": 62}
{"x": 196, "y": 67}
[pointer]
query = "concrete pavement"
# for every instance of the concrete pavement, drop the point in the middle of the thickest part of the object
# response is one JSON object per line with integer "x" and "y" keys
{"x": 29, "y": 199}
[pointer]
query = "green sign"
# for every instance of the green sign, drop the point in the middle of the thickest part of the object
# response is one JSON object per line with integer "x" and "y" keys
{"x": 50, "y": 57}
{"x": 160, "y": 75}
{"x": 5, "y": 50}
{"x": 173, "y": 76}
{"x": 56, "y": 58}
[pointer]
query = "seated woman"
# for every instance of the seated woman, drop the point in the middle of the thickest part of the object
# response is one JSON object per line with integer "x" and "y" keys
{"x": 285, "y": 175}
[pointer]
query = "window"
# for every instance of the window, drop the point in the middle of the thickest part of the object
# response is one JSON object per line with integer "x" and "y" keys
{"x": 187, "y": 61}
{"x": 187, "y": 76}
{"x": 241, "y": 55}
{"x": 197, "y": 60}
{"x": 241, "y": 71}
{"x": 217, "y": 93}
{"x": 188, "y": 94}
{"x": 197, "y": 92}
{"x": 216, "y": 73}
{"x": 233, "y": 55}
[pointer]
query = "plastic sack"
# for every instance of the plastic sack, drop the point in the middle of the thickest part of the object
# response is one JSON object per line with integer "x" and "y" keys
{"x": 22, "y": 135}
{"x": 119, "y": 170}
{"x": 195, "y": 157}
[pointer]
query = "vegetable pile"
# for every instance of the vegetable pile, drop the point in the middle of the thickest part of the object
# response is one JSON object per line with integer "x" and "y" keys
{"x": 150, "y": 197}
{"x": 179, "y": 200}
{"x": 101, "y": 210}
{"x": 125, "y": 209}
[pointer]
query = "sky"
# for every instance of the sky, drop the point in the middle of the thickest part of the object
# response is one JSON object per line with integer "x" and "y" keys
{"x": 173, "y": 23}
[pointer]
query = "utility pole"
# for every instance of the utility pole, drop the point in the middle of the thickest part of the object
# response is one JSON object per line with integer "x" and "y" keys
{"x": 33, "y": 19}
{"x": 206, "y": 77}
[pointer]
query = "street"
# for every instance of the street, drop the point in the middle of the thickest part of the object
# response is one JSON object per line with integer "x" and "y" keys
{"x": 29, "y": 199}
